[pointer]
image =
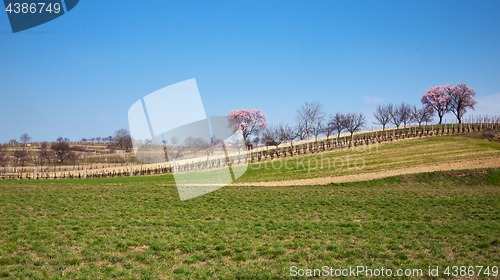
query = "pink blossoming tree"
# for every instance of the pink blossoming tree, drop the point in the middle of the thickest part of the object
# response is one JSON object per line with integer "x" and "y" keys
{"x": 448, "y": 98}
{"x": 438, "y": 98}
{"x": 249, "y": 121}
{"x": 461, "y": 98}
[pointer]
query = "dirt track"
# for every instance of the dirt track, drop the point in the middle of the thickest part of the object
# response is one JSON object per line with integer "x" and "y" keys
{"x": 463, "y": 164}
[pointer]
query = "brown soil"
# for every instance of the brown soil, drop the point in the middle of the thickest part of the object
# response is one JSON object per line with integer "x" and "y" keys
{"x": 462, "y": 164}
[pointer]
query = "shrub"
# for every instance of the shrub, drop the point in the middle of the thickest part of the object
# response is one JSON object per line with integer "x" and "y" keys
{"x": 491, "y": 133}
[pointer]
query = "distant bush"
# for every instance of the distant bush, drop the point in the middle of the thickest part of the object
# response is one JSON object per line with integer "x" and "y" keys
{"x": 491, "y": 133}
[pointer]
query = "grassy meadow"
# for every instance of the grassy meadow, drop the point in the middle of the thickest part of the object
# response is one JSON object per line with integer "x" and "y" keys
{"x": 137, "y": 228}
{"x": 372, "y": 158}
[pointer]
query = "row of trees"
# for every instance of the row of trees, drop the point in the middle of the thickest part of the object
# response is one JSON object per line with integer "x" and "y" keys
{"x": 108, "y": 139}
{"x": 402, "y": 114}
{"x": 311, "y": 119}
{"x": 60, "y": 151}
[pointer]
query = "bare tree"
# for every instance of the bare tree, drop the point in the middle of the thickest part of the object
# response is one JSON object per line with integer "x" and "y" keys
{"x": 122, "y": 139}
{"x": 44, "y": 153}
{"x": 175, "y": 150}
{"x": 309, "y": 115}
{"x": 337, "y": 122}
{"x": 98, "y": 139}
{"x": 400, "y": 114}
{"x": 3, "y": 155}
{"x": 25, "y": 138}
{"x": 194, "y": 144}
{"x": 423, "y": 114}
{"x": 328, "y": 128}
{"x": 60, "y": 139}
{"x": 21, "y": 156}
{"x": 273, "y": 135}
{"x": 289, "y": 134}
{"x": 405, "y": 111}
{"x": 317, "y": 129}
{"x": 354, "y": 122}
{"x": 236, "y": 140}
{"x": 300, "y": 131}
{"x": 13, "y": 141}
{"x": 396, "y": 116}
{"x": 383, "y": 115}
{"x": 205, "y": 147}
{"x": 62, "y": 149}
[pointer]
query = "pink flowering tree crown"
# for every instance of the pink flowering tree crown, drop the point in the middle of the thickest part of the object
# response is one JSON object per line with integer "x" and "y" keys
{"x": 448, "y": 98}
{"x": 438, "y": 98}
{"x": 461, "y": 98}
{"x": 248, "y": 121}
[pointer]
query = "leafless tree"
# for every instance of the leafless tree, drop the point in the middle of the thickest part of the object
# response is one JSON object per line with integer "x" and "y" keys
{"x": 421, "y": 115}
{"x": 21, "y": 156}
{"x": 354, "y": 122}
{"x": 309, "y": 115}
{"x": 337, "y": 123}
{"x": 62, "y": 149}
{"x": 396, "y": 116}
{"x": 44, "y": 153}
{"x": 174, "y": 140}
{"x": 175, "y": 150}
{"x": 317, "y": 129}
{"x": 236, "y": 140}
{"x": 383, "y": 115}
{"x": 273, "y": 135}
{"x": 289, "y": 133}
{"x": 98, "y": 139}
{"x": 300, "y": 131}
{"x": 60, "y": 139}
{"x": 328, "y": 128}
{"x": 13, "y": 141}
{"x": 25, "y": 138}
{"x": 3, "y": 155}
{"x": 405, "y": 111}
{"x": 122, "y": 139}
{"x": 190, "y": 142}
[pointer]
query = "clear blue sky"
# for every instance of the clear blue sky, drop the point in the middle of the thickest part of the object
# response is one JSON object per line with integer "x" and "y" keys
{"x": 78, "y": 75}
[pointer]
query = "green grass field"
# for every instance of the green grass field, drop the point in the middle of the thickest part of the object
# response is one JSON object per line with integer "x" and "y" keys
{"x": 362, "y": 159}
{"x": 136, "y": 228}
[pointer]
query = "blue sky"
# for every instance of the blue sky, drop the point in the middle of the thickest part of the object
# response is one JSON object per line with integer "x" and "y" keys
{"x": 78, "y": 75}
